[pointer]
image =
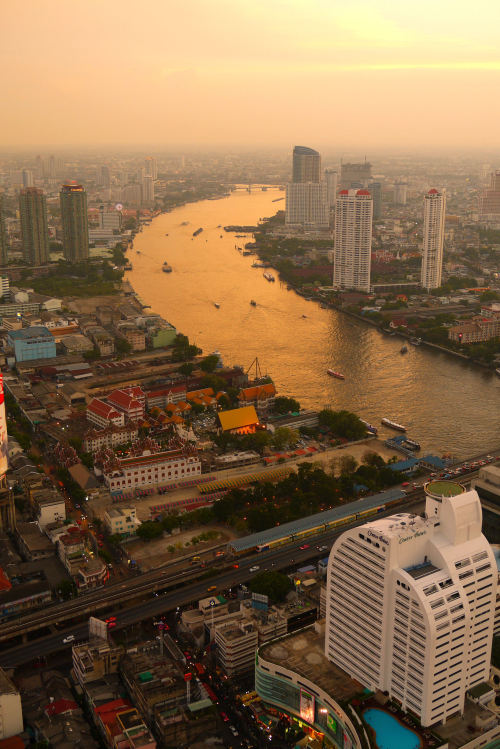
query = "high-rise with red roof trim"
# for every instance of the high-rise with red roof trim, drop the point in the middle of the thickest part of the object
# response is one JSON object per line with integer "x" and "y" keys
{"x": 353, "y": 239}
{"x": 432, "y": 254}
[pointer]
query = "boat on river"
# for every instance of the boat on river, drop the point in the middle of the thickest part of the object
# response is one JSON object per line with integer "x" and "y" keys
{"x": 166, "y": 268}
{"x": 369, "y": 427}
{"x": 338, "y": 375}
{"x": 411, "y": 444}
{"x": 403, "y": 350}
{"x": 127, "y": 266}
{"x": 253, "y": 302}
{"x": 269, "y": 277}
{"x": 393, "y": 425}
{"x": 217, "y": 305}
{"x": 198, "y": 231}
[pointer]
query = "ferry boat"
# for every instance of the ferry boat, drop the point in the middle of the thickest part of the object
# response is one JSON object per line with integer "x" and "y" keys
{"x": 198, "y": 231}
{"x": 412, "y": 444}
{"x": 127, "y": 266}
{"x": 338, "y": 375}
{"x": 166, "y": 268}
{"x": 369, "y": 427}
{"x": 217, "y": 305}
{"x": 393, "y": 425}
{"x": 269, "y": 277}
{"x": 253, "y": 302}
{"x": 137, "y": 252}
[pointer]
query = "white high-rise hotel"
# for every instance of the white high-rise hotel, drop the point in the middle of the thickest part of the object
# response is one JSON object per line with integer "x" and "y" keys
{"x": 432, "y": 256}
{"x": 353, "y": 239}
{"x": 410, "y": 605}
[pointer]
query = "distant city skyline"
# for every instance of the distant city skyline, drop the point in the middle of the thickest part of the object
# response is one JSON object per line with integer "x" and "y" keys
{"x": 239, "y": 73}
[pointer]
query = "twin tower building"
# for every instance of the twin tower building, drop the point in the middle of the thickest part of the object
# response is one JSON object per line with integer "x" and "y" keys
{"x": 311, "y": 196}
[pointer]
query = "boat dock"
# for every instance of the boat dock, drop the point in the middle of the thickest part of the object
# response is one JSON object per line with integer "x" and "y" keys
{"x": 398, "y": 443}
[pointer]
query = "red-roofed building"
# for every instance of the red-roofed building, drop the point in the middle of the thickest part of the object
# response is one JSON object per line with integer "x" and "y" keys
{"x": 260, "y": 396}
{"x": 123, "y": 726}
{"x": 163, "y": 396}
{"x": 127, "y": 404}
{"x": 104, "y": 415}
{"x": 60, "y": 707}
{"x": 151, "y": 470}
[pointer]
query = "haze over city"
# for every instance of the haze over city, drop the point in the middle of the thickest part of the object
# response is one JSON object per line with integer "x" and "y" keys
{"x": 354, "y": 75}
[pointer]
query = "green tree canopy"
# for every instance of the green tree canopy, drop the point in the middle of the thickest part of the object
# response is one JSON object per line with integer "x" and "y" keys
{"x": 283, "y": 405}
{"x": 209, "y": 363}
{"x": 272, "y": 584}
{"x": 343, "y": 424}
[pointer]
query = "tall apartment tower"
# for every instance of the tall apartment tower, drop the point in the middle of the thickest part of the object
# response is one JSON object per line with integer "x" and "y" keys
{"x": 306, "y": 196}
{"x": 400, "y": 193}
{"x": 375, "y": 189}
{"x": 432, "y": 255}
{"x": 151, "y": 167}
{"x": 353, "y": 239}
{"x": 306, "y": 165}
{"x": 411, "y": 604}
{"x": 355, "y": 173}
{"x": 34, "y": 228}
{"x": 331, "y": 179}
{"x": 73, "y": 199}
{"x": 148, "y": 190}
{"x": 489, "y": 202}
{"x": 4, "y": 250}
{"x": 104, "y": 176}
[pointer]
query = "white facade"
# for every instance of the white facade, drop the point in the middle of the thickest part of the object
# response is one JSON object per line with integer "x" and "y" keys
{"x": 432, "y": 255}
{"x": 51, "y": 512}
{"x": 331, "y": 178}
{"x": 150, "y": 470}
{"x": 104, "y": 415}
{"x": 353, "y": 239}
{"x": 121, "y": 520}
{"x": 410, "y": 605}
{"x": 307, "y": 205}
{"x": 11, "y": 716}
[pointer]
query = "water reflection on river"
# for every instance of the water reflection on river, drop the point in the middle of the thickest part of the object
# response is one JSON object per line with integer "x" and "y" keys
{"x": 447, "y": 405}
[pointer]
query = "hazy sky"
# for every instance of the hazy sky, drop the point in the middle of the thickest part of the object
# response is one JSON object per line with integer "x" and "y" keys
{"x": 347, "y": 74}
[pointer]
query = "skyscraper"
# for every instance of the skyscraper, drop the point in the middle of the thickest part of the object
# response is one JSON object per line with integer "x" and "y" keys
{"x": 489, "y": 202}
{"x": 331, "y": 177}
{"x": 353, "y": 239}
{"x": 432, "y": 255}
{"x": 28, "y": 178}
{"x": 400, "y": 193}
{"x": 4, "y": 253}
{"x": 411, "y": 604}
{"x": 306, "y": 196}
{"x": 151, "y": 168}
{"x": 104, "y": 176}
{"x": 355, "y": 172}
{"x": 34, "y": 228}
{"x": 73, "y": 199}
{"x": 375, "y": 189}
{"x": 148, "y": 190}
{"x": 306, "y": 165}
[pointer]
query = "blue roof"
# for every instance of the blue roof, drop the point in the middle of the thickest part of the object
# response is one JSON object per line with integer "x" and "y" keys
{"x": 311, "y": 521}
{"x": 433, "y": 460}
{"x": 33, "y": 332}
{"x": 404, "y": 465}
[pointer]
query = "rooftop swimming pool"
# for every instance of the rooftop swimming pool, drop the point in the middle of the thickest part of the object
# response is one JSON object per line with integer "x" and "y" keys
{"x": 389, "y": 732}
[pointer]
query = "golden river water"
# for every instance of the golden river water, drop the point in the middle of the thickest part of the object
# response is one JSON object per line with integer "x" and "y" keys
{"x": 447, "y": 404}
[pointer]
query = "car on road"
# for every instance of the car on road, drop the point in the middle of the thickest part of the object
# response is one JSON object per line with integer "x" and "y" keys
{"x": 69, "y": 638}
{"x": 233, "y": 731}
{"x": 304, "y": 546}
{"x": 213, "y": 587}
{"x": 254, "y": 568}
{"x": 224, "y": 717}
{"x": 323, "y": 548}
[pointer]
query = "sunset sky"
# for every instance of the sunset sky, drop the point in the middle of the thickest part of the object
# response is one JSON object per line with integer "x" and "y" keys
{"x": 382, "y": 73}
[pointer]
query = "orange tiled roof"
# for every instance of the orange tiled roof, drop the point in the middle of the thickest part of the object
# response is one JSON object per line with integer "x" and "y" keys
{"x": 257, "y": 392}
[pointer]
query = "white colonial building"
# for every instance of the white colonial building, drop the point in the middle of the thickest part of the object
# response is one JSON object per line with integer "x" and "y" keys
{"x": 411, "y": 604}
{"x": 152, "y": 469}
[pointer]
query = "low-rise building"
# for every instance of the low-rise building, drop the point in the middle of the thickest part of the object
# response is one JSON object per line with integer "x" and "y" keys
{"x": 33, "y": 544}
{"x": 11, "y": 716}
{"x": 487, "y": 484}
{"x": 134, "y": 336}
{"x": 129, "y": 402}
{"x": 77, "y": 343}
{"x": 236, "y": 644}
{"x": 110, "y": 436}
{"x": 150, "y": 470}
{"x": 163, "y": 396}
{"x": 32, "y": 343}
{"x": 95, "y": 659}
{"x": 122, "y": 521}
{"x": 103, "y": 414}
{"x": 102, "y": 339}
{"x": 260, "y": 396}
{"x": 49, "y": 506}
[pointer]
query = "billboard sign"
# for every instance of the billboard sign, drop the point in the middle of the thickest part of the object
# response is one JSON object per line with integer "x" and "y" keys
{"x": 3, "y": 433}
{"x": 306, "y": 706}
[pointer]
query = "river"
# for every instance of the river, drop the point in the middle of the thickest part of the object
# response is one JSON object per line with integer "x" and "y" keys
{"x": 448, "y": 405}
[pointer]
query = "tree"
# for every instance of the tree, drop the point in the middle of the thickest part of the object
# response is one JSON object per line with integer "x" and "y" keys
{"x": 66, "y": 589}
{"x": 284, "y": 437}
{"x": 209, "y": 363}
{"x": 283, "y": 405}
{"x": 186, "y": 369}
{"x": 214, "y": 381}
{"x": 348, "y": 465}
{"x": 122, "y": 346}
{"x": 275, "y": 585}
{"x": 149, "y": 530}
{"x": 343, "y": 424}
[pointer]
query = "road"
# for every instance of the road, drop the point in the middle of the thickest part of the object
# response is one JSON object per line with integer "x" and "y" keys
{"x": 287, "y": 556}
